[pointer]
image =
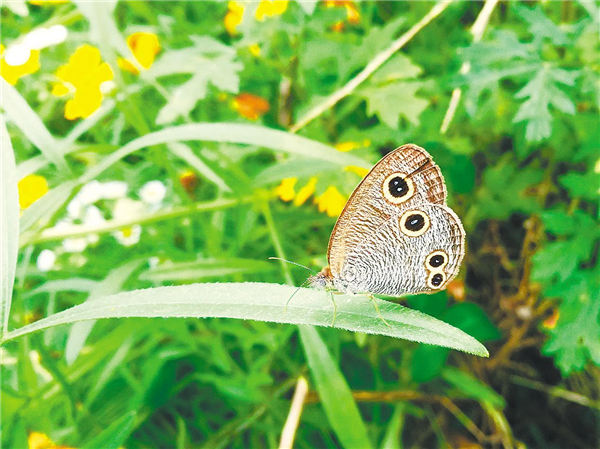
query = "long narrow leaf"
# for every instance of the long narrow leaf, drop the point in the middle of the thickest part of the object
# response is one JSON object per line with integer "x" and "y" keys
{"x": 30, "y": 124}
{"x": 9, "y": 224}
{"x": 233, "y": 133}
{"x": 336, "y": 396}
{"x": 265, "y": 302}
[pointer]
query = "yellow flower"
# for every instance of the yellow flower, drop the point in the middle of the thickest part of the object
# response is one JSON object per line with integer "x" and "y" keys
{"x": 31, "y": 188}
{"x": 270, "y": 8}
{"x": 250, "y": 106}
{"x": 285, "y": 190}
{"x": 349, "y": 146}
{"x": 12, "y": 73}
{"x": 233, "y": 17}
{"x": 266, "y": 8}
{"x": 331, "y": 201}
{"x": 144, "y": 47}
{"x": 83, "y": 75}
{"x": 38, "y": 440}
{"x": 46, "y": 2}
{"x": 254, "y": 50}
{"x": 305, "y": 192}
{"x": 362, "y": 172}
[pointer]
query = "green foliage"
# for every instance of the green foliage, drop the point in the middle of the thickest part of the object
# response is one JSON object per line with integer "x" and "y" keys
{"x": 172, "y": 181}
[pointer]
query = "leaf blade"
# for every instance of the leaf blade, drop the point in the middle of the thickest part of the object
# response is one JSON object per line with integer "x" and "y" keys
{"x": 265, "y": 302}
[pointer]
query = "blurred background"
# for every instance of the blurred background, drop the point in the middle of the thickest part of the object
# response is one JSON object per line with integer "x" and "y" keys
{"x": 504, "y": 95}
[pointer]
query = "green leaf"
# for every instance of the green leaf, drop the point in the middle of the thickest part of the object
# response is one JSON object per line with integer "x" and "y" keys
{"x": 505, "y": 191}
{"x": 21, "y": 114}
{"x": 472, "y": 319}
{"x": 184, "y": 152}
{"x": 9, "y": 225}
{"x": 205, "y": 268}
{"x": 336, "y": 396}
{"x": 115, "y": 434}
{"x": 472, "y": 388}
{"x": 541, "y": 92}
{"x": 576, "y": 337}
{"x": 558, "y": 222}
{"x": 393, "y": 100}
{"x": 265, "y": 302}
{"x": 209, "y": 62}
{"x": 427, "y": 362}
{"x": 579, "y": 185}
{"x": 540, "y": 26}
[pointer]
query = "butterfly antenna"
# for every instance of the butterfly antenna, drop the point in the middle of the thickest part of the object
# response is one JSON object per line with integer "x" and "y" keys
{"x": 293, "y": 263}
{"x": 293, "y": 294}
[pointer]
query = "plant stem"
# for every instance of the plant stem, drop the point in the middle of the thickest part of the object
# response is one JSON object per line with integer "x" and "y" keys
{"x": 477, "y": 30}
{"x": 293, "y": 419}
{"x": 371, "y": 67}
{"x": 114, "y": 225}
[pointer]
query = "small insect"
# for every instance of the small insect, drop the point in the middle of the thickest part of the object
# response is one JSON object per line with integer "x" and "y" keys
{"x": 396, "y": 235}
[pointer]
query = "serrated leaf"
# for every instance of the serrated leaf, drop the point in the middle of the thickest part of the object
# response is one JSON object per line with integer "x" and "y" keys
{"x": 582, "y": 185}
{"x": 558, "y": 222}
{"x": 540, "y": 26}
{"x": 210, "y": 63}
{"x": 576, "y": 337}
{"x": 393, "y": 100}
{"x": 541, "y": 92}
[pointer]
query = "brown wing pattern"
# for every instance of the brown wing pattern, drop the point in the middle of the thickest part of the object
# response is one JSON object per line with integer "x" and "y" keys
{"x": 404, "y": 178}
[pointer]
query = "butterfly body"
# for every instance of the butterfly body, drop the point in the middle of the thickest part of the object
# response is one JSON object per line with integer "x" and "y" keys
{"x": 396, "y": 235}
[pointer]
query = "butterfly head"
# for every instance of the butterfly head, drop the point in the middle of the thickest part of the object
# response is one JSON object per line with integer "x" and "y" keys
{"x": 323, "y": 280}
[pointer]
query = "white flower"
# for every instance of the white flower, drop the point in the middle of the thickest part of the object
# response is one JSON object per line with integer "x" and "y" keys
{"x": 129, "y": 236}
{"x": 45, "y": 37}
{"x": 75, "y": 245}
{"x": 17, "y": 55}
{"x": 90, "y": 193}
{"x": 93, "y": 216}
{"x": 153, "y": 192}
{"x": 128, "y": 209}
{"x": 153, "y": 262}
{"x": 75, "y": 208}
{"x": 107, "y": 86}
{"x": 113, "y": 190}
{"x": 45, "y": 260}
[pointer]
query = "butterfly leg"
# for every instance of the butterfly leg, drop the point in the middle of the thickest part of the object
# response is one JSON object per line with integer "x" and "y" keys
{"x": 334, "y": 309}
{"x": 368, "y": 295}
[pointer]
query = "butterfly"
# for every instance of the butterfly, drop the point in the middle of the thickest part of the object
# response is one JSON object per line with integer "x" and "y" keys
{"x": 396, "y": 235}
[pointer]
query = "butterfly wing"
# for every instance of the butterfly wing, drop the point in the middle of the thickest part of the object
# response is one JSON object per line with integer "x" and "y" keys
{"x": 418, "y": 250}
{"x": 402, "y": 179}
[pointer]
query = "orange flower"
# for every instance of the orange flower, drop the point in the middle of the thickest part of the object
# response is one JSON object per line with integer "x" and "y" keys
{"x": 456, "y": 288}
{"x": 31, "y": 188}
{"x": 331, "y": 201}
{"x": 550, "y": 322}
{"x": 84, "y": 74}
{"x": 352, "y": 13}
{"x": 12, "y": 73}
{"x": 188, "y": 180}
{"x": 250, "y": 106}
{"x": 145, "y": 47}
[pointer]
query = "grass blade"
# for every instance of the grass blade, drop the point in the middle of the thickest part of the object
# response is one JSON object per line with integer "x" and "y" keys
{"x": 232, "y": 133}
{"x": 184, "y": 152}
{"x": 265, "y": 302}
{"x": 336, "y": 396}
{"x": 9, "y": 225}
{"x": 30, "y": 124}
